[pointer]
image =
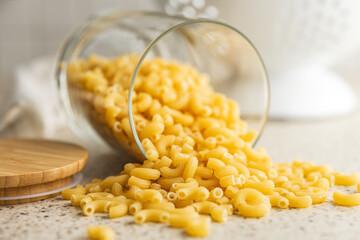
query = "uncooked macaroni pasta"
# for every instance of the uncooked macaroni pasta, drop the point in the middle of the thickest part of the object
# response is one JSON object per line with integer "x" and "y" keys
{"x": 199, "y": 157}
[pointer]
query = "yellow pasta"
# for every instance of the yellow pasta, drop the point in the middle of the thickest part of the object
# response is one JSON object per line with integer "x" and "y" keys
{"x": 216, "y": 193}
{"x": 139, "y": 182}
{"x": 266, "y": 187}
{"x": 116, "y": 189}
{"x": 208, "y": 183}
{"x": 198, "y": 227}
{"x": 100, "y": 233}
{"x": 134, "y": 207}
{"x": 346, "y": 199}
{"x": 181, "y": 220}
{"x": 251, "y": 203}
{"x": 278, "y": 201}
{"x": 85, "y": 201}
{"x": 225, "y": 171}
{"x": 189, "y": 183}
{"x": 66, "y": 193}
{"x": 299, "y": 201}
{"x": 96, "y": 206}
{"x": 163, "y": 162}
{"x": 231, "y": 191}
{"x": 199, "y": 157}
{"x": 145, "y": 173}
{"x": 150, "y": 195}
{"x": 118, "y": 211}
{"x": 223, "y": 200}
{"x": 151, "y": 151}
{"x": 168, "y": 172}
{"x": 219, "y": 214}
{"x": 151, "y": 215}
{"x": 347, "y": 180}
{"x": 322, "y": 183}
{"x": 195, "y": 193}
{"x": 227, "y": 181}
{"x": 76, "y": 198}
{"x": 204, "y": 207}
{"x": 317, "y": 195}
{"x": 215, "y": 164}
{"x": 164, "y": 143}
{"x": 190, "y": 168}
{"x": 166, "y": 183}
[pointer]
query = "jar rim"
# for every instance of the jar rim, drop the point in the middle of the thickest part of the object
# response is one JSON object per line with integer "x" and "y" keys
{"x": 166, "y": 32}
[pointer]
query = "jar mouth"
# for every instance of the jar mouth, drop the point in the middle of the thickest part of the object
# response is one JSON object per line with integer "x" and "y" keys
{"x": 171, "y": 29}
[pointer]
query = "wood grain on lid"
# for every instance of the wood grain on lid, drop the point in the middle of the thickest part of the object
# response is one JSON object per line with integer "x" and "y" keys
{"x": 25, "y": 162}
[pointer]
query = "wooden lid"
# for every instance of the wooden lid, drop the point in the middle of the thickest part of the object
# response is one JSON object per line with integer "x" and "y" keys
{"x": 29, "y": 166}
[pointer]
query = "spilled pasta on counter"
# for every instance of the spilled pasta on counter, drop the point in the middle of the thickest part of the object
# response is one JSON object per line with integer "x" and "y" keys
{"x": 200, "y": 164}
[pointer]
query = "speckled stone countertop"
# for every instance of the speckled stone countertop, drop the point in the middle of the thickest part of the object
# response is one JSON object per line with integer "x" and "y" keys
{"x": 335, "y": 142}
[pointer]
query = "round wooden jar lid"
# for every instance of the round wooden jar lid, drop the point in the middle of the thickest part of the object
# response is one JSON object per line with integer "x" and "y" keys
{"x": 31, "y": 169}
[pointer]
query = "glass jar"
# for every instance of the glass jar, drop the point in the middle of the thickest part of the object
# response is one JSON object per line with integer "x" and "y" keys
{"x": 213, "y": 47}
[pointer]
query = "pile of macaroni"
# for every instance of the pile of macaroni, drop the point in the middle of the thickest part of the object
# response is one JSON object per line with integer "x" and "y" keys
{"x": 199, "y": 165}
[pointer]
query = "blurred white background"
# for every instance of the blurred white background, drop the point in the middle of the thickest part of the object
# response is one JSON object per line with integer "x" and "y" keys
{"x": 35, "y": 29}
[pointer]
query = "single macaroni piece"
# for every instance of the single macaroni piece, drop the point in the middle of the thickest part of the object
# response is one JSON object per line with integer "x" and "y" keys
{"x": 151, "y": 215}
{"x": 164, "y": 143}
{"x": 347, "y": 180}
{"x": 76, "y": 198}
{"x": 116, "y": 189}
{"x": 139, "y": 182}
{"x": 168, "y": 172}
{"x": 196, "y": 193}
{"x": 181, "y": 220}
{"x": 358, "y": 187}
{"x": 135, "y": 207}
{"x": 204, "y": 172}
{"x": 145, "y": 173}
{"x": 198, "y": 227}
{"x": 219, "y": 213}
{"x": 215, "y": 164}
{"x": 109, "y": 181}
{"x": 92, "y": 207}
{"x": 278, "y": 201}
{"x": 251, "y": 203}
{"x": 79, "y": 190}
{"x": 204, "y": 207}
{"x": 190, "y": 168}
{"x": 216, "y": 193}
{"x": 231, "y": 191}
{"x": 171, "y": 196}
{"x": 118, "y": 211}
{"x": 208, "y": 183}
{"x": 227, "y": 181}
{"x": 149, "y": 195}
{"x": 299, "y": 201}
{"x": 346, "y": 199}
{"x": 163, "y": 162}
{"x": 100, "y": 233}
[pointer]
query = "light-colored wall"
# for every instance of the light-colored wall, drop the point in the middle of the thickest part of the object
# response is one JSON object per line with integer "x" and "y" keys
{"x": 34, "y": 28}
